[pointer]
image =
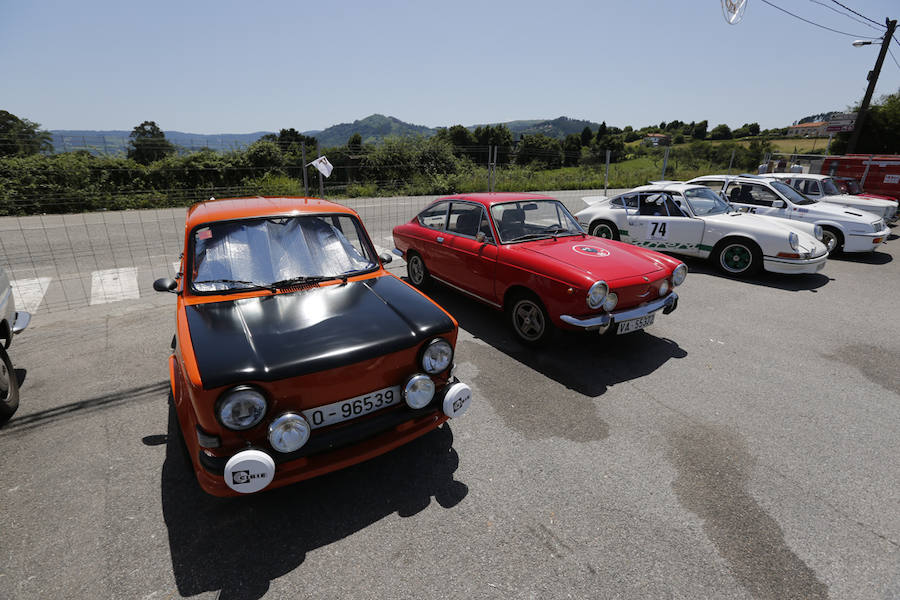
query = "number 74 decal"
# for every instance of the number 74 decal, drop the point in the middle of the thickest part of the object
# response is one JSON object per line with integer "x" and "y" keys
{"x": 657, "y": 230}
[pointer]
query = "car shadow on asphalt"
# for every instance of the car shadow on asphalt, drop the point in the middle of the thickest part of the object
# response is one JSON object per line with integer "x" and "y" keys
{"x": 587, "y": 363}
{"x": 866, "y": 258}
{"x": 803, "y": 282}
{"x": 239, "y": 545}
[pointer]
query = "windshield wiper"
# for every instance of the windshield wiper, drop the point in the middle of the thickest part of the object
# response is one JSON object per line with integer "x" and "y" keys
{"x": 237, "y": 281}
{"x": 532, "y": 236}
{"x": 283, "y": 283}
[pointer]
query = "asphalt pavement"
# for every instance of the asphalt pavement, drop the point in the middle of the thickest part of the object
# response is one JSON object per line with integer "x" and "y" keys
{"x": 744, "y": 446}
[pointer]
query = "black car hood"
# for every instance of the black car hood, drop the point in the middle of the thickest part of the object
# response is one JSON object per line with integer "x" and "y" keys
{"x": 286, "y": 335}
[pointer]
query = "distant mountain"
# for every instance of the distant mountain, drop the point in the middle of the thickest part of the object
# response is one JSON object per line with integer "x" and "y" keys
{"x": 373, "y": 128}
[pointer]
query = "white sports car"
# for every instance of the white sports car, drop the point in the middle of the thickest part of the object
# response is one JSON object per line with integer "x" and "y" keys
{"x": 693, "y": 220}
{"x": 824, "y": 189}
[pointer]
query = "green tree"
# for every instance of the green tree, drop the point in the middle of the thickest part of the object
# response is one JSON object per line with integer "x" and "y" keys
{"x": 720, "y": 132}
{"x": 571, "y": 148}
{"x": 21, "y": 137}
{"x": 586, "y": 136}
{"x": 539, "y": 150}
{"x": 881, "y": 129}
{"x": 699, "y": 130}
{"x": 496, "y": 135}
{"x": 291, "y": 140}
{"x": 355, "y": 142}
{"x": 148, "y": 143}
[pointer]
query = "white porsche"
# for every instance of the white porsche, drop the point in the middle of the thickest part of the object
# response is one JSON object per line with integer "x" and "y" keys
{"x": 693, "y": 220}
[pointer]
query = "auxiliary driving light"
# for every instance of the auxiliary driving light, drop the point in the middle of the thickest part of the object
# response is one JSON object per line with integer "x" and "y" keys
{"x": 664, "y": 288}
{"x": 288, "y": 432}
{"x": 418, "y": 391}
{"x": 610, "y": 303}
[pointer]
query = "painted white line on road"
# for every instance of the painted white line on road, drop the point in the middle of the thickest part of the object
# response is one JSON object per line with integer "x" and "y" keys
{"x": 112, "y": 285}
{"x": 28, "y": 293}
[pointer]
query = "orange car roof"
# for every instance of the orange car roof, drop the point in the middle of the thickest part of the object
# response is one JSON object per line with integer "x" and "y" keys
{"x": 258, "y": 206}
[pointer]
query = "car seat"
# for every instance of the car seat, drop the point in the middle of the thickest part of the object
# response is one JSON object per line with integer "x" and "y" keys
{"x": 467, "y": 223}
{"x": 512, "y": 223}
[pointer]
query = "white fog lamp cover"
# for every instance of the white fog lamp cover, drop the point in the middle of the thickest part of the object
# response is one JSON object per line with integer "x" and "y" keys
{"x": 457, "y": 400}
{"x": 249, "y": 471}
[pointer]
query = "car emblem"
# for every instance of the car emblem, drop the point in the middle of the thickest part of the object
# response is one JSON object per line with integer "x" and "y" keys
{"x": 590, "y": 250}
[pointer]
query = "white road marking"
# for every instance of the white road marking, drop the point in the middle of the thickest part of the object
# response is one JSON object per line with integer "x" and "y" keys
{"x": 112, "y": 285}
{"x": 28, "y": 293}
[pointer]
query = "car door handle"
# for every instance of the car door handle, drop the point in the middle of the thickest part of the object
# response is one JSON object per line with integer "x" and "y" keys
{"x": 440, "y": 240}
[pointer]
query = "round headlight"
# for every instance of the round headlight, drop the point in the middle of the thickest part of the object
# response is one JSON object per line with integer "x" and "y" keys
{"x": 418, "y": 391}
{"x": 817, "y": 231}
{"x": 610, "y": 302}
{"x": 288, "y": 432}
{"x": 241, "y": 408}
{"x": 664, "y": 287}
{"x": 679, "y": 274}
{"x": 597, "y": 294}
{"x": 794, "y": 240}
{"x": 437, "y": 356}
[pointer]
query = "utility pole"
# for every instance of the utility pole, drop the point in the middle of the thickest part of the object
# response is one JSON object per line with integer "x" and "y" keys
{"x": 873, "y": 79}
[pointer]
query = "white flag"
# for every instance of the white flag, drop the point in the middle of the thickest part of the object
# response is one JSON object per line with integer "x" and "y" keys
{"x": 322, "y": 165}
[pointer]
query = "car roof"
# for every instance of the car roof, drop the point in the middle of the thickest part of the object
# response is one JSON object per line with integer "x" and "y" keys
{"x": 664, "y": 186}
{"x": 225, "y": 209}
{"x": 817, "y": 176}
{"x": 489, "y": 199}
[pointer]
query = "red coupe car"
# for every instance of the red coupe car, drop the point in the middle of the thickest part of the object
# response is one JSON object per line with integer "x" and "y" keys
{"x": 527, "y": 255}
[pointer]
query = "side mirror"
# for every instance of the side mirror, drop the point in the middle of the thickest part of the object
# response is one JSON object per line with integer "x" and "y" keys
{"x": 480, "y": 237}
{"x": 778, "y": 204}
{"x": 385, "y": 257}
{"x": 165, "y": 285}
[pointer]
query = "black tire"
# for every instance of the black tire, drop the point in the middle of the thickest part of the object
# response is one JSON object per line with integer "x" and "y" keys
{"x": 604, "y": 229}
{"x": 417, "y": 271}
{"x": 528, "y": 318}
{"x": 9, "y": 387}
{"x": 738, "y": 257}
{"x": 833, "y": 240}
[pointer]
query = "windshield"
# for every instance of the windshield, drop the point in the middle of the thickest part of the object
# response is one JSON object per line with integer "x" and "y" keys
{"x": 533, "y": 220}
{"x": 704, "y": 201}
{"x": 829, "y": 187}
{"x": 278, "y": 251}
{"x": 852, "y": 186}
{"x": 791, "y": 194}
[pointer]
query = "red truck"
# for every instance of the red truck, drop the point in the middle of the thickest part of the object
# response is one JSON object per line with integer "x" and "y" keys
{"x": 876, "y": 173}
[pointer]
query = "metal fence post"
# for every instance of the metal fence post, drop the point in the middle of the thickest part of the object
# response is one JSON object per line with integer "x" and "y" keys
{"x": 305, "y": 174}
{"x": 606, "y": 177}
{"x": 665, "y": 163}
{"x": 321, "y": 180}
{"x": 731, "y": 162}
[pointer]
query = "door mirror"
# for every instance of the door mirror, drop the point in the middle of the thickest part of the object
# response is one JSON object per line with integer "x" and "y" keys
{"x": 778, "y": 204}
{"x": 480, "y": 237}
{"x": 385, "y": 258}
{"x": 165, "y": 285}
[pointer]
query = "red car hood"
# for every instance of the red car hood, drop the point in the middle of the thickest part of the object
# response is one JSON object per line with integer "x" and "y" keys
{"x": 598, "y": 258}
{"x": 876, "y": 197}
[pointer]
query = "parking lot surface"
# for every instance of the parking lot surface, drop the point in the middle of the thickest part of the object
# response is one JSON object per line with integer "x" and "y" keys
{"x": 745, "y": 446}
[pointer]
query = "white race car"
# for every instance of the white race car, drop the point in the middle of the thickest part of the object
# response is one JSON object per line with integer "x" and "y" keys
{"x": 693, "y": 220}
{"x": 843, "y": 228}
{"x": 824, "y": 189}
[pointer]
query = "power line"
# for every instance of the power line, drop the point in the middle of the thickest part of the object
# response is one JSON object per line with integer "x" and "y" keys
{"x": 817, "y": 25}
{"x": 894, "y": 58}
{"x": 856, "y": 13}
{"x": 843, "y": 14}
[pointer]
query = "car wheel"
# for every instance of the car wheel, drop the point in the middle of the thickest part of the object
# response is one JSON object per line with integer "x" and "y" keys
{"x": 417, "y": 271}
{"x": 9, "y": 387}
{"x": 832, "y": 240}
{"x": 739, "y": 257}
{"x": 604, "y": 229}
{"x": 529, "y": 319}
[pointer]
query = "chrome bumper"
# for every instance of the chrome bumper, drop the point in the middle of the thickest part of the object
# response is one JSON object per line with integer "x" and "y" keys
{"x": 22, "y": 320}
{"x": 667, "y": 304}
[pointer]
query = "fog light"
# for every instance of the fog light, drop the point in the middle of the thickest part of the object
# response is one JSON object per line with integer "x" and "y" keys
{"x": 610, "y": 302}
{"x": 664, "y": 287}
{"x": 288, "y": 432}
{"x": 418, "y": 391}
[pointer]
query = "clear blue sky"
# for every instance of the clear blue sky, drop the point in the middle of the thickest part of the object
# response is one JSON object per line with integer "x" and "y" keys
{"x": 239, "y": 67}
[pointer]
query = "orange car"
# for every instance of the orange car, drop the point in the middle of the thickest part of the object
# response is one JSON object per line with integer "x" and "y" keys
{"x": 295, "y": 352}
